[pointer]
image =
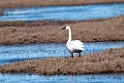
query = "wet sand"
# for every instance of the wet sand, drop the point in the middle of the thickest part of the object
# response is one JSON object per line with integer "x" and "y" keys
{"x": 37, "y": 3}
{"x": 109, "y": 61}
{"x": 111, "y": 29}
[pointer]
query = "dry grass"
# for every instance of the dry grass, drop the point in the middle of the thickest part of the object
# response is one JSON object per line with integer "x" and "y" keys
{"x": 50, "y": 31}
{"x": 33, "y": 23}
{"x": 109, "y": 61}
{"x": 32, "y": 3}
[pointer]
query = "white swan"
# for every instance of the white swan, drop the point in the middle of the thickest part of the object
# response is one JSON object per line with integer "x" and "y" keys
{"x": 74, "y": 46}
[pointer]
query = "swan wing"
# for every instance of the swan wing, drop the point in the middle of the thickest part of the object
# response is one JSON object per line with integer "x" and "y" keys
{"x": 81, "y": 44}
{"x": 78, "y": 41}
{"x": 75, "y": 45}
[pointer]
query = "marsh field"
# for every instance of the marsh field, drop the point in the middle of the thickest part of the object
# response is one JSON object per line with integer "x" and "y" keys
{"x": 110, "y": 61}
{"x": 44, "y": 31}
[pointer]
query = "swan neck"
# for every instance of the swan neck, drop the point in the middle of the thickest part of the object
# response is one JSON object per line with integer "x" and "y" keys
{"x": 69, "y": 39}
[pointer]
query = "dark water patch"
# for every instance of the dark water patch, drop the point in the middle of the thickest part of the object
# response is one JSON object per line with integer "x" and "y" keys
{"x": 14, "y": 53}
{"x": 87, "y": 12}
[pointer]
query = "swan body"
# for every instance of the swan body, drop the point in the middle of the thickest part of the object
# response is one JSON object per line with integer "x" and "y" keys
{"x": 74, "y": 46}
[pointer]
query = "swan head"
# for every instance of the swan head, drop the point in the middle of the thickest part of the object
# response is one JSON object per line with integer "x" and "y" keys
{"x": 66, "y": 27}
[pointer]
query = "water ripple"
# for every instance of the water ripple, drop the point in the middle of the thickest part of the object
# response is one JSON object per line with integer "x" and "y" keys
{"x": 86, "y": 12}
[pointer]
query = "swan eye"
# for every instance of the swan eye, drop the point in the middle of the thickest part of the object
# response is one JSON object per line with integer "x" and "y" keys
{"x": 64, "y": 28}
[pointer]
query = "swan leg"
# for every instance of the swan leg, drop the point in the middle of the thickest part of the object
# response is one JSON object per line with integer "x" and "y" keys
{"x": 72, "y": 55}
{"x": 79, "y": 54}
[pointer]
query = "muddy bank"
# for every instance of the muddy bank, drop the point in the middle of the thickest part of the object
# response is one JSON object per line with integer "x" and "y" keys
{"x": 109, "y": 61}
{"x": 36, "y": 3}
{"x": 50, "y": 31}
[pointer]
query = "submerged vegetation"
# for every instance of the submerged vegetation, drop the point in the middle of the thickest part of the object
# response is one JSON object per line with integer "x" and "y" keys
{"x": 109, "y": 61}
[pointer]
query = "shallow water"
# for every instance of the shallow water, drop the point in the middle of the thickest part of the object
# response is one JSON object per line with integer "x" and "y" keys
{"x": 15, "y": 53}
{"x": 64, "y": 12}
{"x": 25, "y": 78}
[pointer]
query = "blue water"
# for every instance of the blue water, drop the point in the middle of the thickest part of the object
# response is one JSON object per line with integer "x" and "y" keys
{"x": 15, "y": 53}
{"x": 25, "y": 78}
{"x": 86, "y": 12}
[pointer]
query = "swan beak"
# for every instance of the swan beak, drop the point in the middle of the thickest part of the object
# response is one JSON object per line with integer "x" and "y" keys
{"x": 64, "y": 28}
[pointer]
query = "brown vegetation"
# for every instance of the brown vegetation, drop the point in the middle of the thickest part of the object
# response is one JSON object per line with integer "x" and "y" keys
{"x": 33, "y": 23}
{"x": 109, "y": 61}
{"x": 1, "y": 13}
{"x": 36, "y": 3}
{"x": 50, "y": 31}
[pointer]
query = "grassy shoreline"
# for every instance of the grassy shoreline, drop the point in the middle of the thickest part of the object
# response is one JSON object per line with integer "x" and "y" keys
{"x": 111, "y": 29}
{"x": 109, "y": 61}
